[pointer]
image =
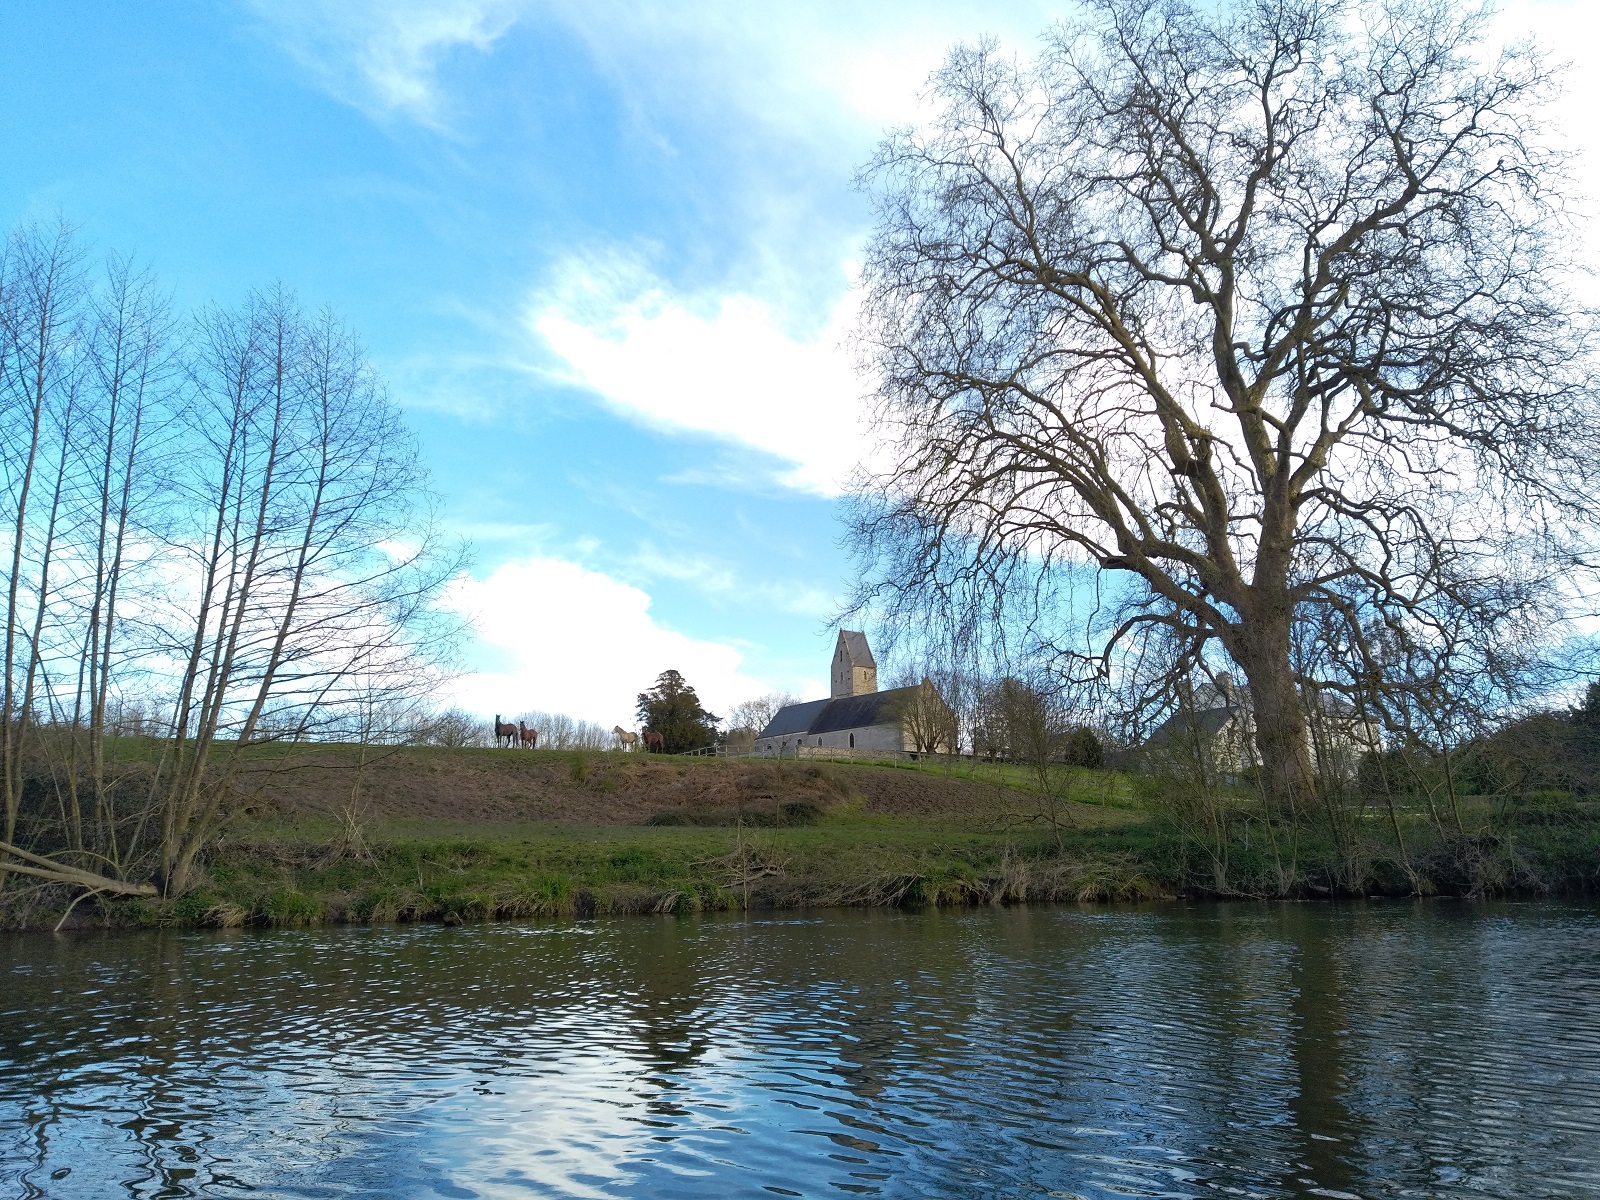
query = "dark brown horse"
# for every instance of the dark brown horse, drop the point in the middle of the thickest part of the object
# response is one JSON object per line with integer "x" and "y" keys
{"x": 504, "y": 731}
{"x": 654, "y": 742}
{"x": 528, "y": 735}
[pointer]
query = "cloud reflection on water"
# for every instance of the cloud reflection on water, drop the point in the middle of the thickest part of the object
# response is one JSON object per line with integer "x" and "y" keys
{"x": 1436, "y": 1050}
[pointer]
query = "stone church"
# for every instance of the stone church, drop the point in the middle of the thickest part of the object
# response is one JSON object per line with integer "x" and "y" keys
{"x": 857, "y": 716}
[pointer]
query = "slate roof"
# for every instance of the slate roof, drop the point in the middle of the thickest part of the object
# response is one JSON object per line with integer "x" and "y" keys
{"x": 856, "y": 649}
{"x": 841, "y": 713}
{"x": 858, "y": 712}
{"x": 1208, "y": 721}
{"x": 795, "y": 718}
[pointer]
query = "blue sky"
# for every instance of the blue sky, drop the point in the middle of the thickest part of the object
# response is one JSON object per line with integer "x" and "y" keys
{"x": 602, "y": 252}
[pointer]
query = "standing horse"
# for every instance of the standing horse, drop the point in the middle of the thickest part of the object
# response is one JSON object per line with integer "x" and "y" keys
{"x": 626, "y": 738}
{"x": 653, "y": 741}
{"x": 504, "y": 731}
{"x": 528, "y": 735}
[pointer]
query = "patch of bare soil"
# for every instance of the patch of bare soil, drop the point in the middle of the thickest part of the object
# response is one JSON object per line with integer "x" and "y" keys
{"x": 512, "y": 786}
{"x": 918, "y": 794}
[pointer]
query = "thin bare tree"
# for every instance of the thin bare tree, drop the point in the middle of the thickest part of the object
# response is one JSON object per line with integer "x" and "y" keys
{"x": 231, "y": 525}
{"x": 40, "y": 289}
{"x": 756, "y": 714}
{"x": 309, "y": 581}
{"x": 1260, "y": 311}
{"x": 131, "y": 362}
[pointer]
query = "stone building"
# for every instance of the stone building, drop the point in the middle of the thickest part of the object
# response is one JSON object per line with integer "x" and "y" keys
{"x": 854, "y": 671}
{"x": 857, "y": 717}
{"x": 1215, "y": 734}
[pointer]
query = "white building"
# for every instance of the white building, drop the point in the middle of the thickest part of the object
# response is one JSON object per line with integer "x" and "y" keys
{"x": 1217, "y": 733}
{"x": 857, "y": 717}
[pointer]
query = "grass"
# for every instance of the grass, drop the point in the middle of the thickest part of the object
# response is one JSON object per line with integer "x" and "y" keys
{"x": 1112, "y": 789}
{"x": 455, "y": 872}
{"x": 275, "y": 873}
{"x": 1129, "y": 844}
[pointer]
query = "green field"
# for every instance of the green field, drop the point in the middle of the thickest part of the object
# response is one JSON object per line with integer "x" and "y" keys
{"x": 630, "y": 834}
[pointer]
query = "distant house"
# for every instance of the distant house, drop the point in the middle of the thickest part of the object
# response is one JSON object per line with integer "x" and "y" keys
{"x": 857, "y": 717}
{"x": 1216, "y": 732}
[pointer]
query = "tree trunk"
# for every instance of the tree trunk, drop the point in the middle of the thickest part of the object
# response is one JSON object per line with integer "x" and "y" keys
{"x": 1282, "y": 737}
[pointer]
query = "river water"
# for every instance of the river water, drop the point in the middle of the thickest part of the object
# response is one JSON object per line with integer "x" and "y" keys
{"x": 1433, "y": 1049}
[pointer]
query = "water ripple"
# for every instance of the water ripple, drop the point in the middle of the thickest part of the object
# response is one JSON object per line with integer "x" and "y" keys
{"x": 1241, "y": 1051}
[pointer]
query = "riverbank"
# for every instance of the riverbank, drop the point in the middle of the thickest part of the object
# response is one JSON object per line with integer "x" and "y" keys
{"x": 469, "y": 835}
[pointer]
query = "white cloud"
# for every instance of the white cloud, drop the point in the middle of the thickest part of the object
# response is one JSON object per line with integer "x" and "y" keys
{"x": 568, "y": 639}
{"x": 723, "y": 366}
{"x": 383, "y": 56}
{"x": 719, "y": 580}
{"x": 1567, "y": 32}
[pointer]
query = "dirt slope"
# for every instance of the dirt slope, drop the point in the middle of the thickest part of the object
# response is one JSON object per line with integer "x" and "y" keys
{"x": 599, "y": 789}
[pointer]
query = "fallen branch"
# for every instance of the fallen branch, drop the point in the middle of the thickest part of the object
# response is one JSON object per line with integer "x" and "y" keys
{"x": 55, "y": 872}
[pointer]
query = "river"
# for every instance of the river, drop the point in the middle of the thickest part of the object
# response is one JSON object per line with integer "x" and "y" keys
{"x": 1436, "y": 1049}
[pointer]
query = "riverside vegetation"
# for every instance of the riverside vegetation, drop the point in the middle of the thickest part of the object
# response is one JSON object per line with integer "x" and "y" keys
{"x": 460, "y": 835}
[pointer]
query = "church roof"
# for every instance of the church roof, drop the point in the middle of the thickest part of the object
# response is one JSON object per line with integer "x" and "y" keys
{"x": 856, "y": 649}
{"x": 858, "y": 712}
{"x": 794, "y": 718}
{"x": 840, "y": 713}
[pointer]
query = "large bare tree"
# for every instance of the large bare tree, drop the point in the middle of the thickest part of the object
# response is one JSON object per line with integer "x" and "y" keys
{"x": 1261, "y": 306}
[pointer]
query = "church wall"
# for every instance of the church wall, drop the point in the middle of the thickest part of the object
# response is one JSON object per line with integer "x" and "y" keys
{"x": 883, "y": 738}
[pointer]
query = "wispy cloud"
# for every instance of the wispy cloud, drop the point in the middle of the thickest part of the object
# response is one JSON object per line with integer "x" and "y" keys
{"x": 810, "y": 71}
{"x": 722, "y": 581}
{"x": 383, "y": 56}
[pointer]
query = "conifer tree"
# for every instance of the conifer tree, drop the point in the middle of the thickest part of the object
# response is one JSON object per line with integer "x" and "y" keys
{"x": 672, "y": 709}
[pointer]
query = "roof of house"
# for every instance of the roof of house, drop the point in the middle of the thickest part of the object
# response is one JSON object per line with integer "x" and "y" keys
{"x": 856, "y": 648}
{"x": 1208, "y": 722}
{"x": 840, "y": 713}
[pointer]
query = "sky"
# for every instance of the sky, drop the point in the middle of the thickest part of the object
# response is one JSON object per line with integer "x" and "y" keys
{"x": 603, "y": 254}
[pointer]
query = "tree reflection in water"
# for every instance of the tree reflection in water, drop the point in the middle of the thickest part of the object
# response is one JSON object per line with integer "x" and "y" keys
{"x": 1444, "y": 1050}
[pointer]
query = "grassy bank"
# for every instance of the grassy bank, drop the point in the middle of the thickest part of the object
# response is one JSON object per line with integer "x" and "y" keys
{"x": 474, "y": 835}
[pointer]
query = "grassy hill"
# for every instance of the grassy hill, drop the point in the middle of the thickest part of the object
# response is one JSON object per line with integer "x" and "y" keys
{"x": 467, "y": 834}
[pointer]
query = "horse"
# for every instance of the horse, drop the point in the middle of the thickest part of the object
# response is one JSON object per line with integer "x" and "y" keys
{"x": 504, "y": 731}
{"x": 626, "y": 738}
{"x": 528, "y": 735}
{"x": 653, "y": 741}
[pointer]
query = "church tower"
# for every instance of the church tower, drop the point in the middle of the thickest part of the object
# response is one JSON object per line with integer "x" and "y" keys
{"x": 854, "y": 672}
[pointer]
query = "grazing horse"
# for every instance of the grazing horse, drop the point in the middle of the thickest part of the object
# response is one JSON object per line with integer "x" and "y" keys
{"x": 626, "y": 738}
{"x": 654, "y": 741}
{"x": 529, "y": 736}
{"x": 504, "y": 731}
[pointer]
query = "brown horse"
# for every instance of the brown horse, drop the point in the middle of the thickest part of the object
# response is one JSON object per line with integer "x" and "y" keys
{"x": 654, "y": 741}
{"x": 504, "y": 731}
{"x": 529, "y": 736}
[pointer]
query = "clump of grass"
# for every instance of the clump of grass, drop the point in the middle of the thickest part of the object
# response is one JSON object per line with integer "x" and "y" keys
{"x": 289, "y": 907}
{"x": 786, "y": 815}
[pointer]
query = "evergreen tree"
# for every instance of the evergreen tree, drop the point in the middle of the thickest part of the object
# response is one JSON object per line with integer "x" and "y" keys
{"x": 1584, "y": 744}
{"x": 672, "y": 709}
{"x": 1082, "y": 748}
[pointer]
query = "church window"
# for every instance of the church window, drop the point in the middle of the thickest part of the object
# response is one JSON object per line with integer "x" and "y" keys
{"x": 852, "y": 741}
